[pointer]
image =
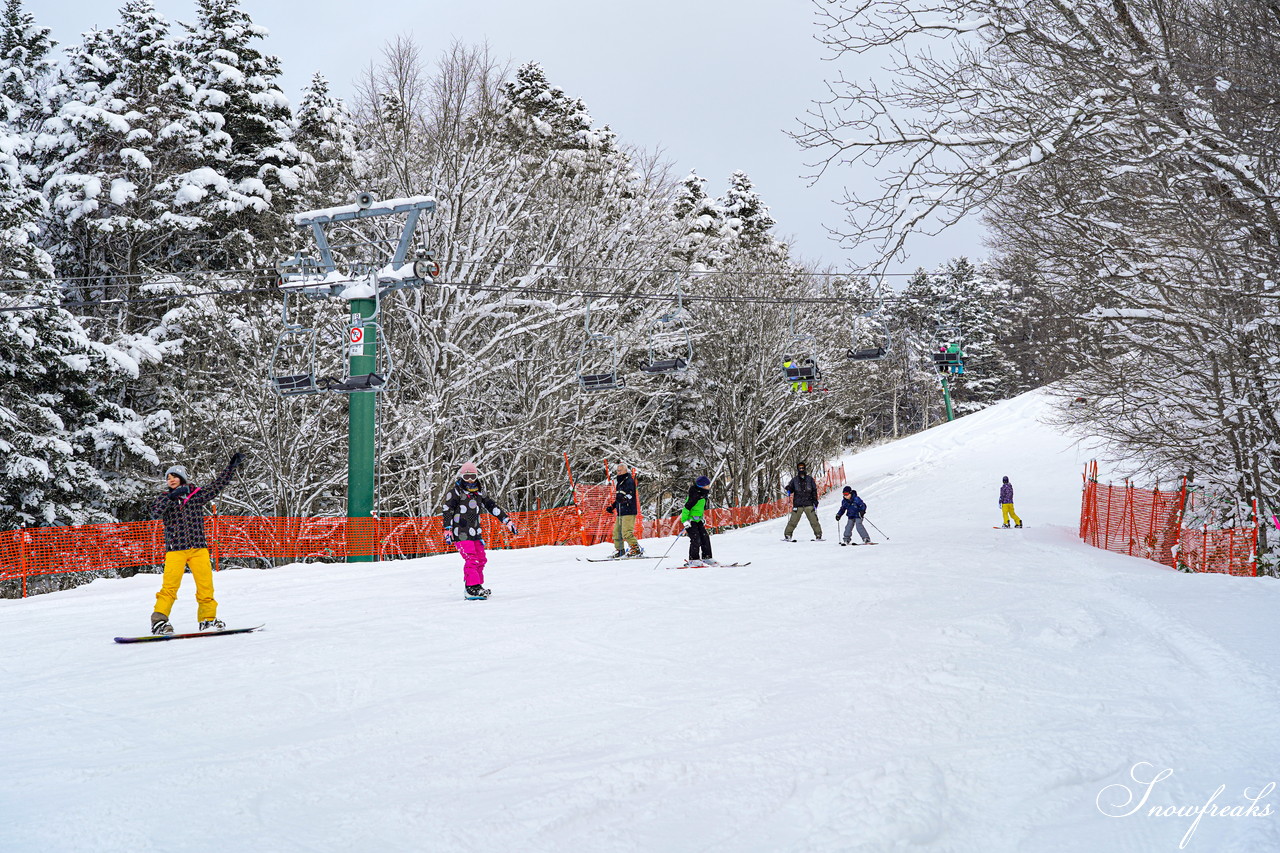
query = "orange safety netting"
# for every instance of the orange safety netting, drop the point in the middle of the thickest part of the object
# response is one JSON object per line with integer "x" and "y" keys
{"x": 597, "y": 525}
{"x": 40, "y": 551}
{"x": 1149, "y": 523}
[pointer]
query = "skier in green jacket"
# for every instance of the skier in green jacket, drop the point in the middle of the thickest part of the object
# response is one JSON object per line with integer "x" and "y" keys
{"x": 692, "y": 517}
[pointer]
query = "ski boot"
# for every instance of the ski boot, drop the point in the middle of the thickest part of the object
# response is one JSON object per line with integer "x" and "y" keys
{"x": 1005, "y": 525}
{"x": 787, "y": 538}
{"x": 1018, "y": 525}
{"x": 635, "y": 552}
{"x": 476, "y": 592}
{"x": 212, "y": 625}
{"x": 617, "y": 555}
{"x": 694, "y": 564}
{"x": 818, "y": 538}
{"x": 160, "y": 624}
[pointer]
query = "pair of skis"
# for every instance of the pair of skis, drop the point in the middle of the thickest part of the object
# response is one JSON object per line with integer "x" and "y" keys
{"x": 715, "y": 566}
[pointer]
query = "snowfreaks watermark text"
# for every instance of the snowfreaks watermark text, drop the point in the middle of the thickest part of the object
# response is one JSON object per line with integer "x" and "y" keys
{"x": 1119, "y": 800}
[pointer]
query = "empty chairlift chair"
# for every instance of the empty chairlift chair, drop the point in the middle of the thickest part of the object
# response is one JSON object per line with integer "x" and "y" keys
{"x": 293, "y": 359}
{"x": 670, "y": 346}
{"x": 598, "y": 361}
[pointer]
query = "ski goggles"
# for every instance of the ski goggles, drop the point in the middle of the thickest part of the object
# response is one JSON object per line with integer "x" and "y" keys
{"x": 471, "y": 478}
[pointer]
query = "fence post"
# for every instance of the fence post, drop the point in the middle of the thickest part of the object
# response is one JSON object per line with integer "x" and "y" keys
{"x": 1253, "y": 559}
{"x": 1177, "y": 529}
{"x": 22, "y": 558}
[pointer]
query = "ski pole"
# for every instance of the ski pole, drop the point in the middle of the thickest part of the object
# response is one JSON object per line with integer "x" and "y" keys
{"x": 873, "y": 524}
{"x": 669, "y": 547}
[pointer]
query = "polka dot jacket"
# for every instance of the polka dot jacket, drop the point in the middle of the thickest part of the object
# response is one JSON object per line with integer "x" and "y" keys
{"x": 182, "y": 510}
{"x": 460, "y": 514}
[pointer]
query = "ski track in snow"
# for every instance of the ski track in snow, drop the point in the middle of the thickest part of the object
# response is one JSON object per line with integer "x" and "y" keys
{"x": 955, "y": 688}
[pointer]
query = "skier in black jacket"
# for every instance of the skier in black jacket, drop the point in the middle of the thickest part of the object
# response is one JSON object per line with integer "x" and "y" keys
{"x": 803, "y": 490}
{"x": 181, "y": 508}
{"x": 626, "y": 503}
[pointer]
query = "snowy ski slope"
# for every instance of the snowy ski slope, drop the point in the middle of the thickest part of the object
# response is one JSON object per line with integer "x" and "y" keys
{"x": 957, "y": 688}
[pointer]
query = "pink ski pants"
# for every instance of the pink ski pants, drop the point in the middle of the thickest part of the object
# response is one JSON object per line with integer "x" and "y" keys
{"x": 473, "y": 560}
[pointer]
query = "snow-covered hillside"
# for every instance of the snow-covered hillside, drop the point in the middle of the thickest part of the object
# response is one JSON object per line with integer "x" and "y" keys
{"x": 955, "y": 688}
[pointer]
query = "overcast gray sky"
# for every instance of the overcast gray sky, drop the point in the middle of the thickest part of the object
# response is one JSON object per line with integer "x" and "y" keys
{"x": 712, "y": 83}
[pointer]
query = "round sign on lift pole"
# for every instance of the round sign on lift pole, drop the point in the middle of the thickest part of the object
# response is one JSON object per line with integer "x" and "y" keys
{"x": 356, "y": 338}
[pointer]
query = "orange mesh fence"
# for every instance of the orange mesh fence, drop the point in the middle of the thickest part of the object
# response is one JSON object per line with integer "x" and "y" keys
{"x": 1149, "y": 523}
{"x": 597, "y": 525}
{"x": 35, "y": 552}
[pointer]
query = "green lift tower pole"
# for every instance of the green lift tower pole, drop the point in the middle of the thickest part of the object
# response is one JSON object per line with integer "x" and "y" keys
{"x": 361, "y": 417}
{"x": 362, "y": 345}
{"x": 946, "y": 396}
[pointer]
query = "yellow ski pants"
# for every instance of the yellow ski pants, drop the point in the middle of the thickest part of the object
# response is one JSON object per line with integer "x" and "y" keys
{"x": 201, "y": 572}
{"x": 1007, "y": 511}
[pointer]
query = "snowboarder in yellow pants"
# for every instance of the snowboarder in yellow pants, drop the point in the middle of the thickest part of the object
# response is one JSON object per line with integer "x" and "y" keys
{"x": 175, "y": 562}
{"x": 1006, "y": 503}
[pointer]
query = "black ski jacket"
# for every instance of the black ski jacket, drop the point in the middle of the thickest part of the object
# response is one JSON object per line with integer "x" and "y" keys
{"x": 460, "y": 514}
{"x": 803, "y": 490}
{"x": 625, "y": 501}
{"x": 182, "y": 511}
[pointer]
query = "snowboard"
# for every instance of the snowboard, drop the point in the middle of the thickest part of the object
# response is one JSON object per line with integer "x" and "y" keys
{"x": 1002, "y": 527}
{"x": 152, "y": 638}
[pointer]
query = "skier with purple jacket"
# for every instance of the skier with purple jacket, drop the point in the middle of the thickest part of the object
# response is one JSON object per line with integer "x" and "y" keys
{"x": 1006, "y": 504}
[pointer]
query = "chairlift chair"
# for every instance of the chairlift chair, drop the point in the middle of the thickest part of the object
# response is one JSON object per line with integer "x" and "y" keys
{"x": 375, "y": 379}
{"x": 873, "y": 346}
{"x": 800, "y": 362}
{"x": 669, "y": 335}
{"x": 293, "y": 359}
{"x": 598, "y": 361}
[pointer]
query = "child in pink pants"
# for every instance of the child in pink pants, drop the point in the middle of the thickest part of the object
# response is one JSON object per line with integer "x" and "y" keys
{"x": 463, "y": 505}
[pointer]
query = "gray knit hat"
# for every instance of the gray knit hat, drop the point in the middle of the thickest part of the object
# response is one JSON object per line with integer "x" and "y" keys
{"x": 180, "y": 471}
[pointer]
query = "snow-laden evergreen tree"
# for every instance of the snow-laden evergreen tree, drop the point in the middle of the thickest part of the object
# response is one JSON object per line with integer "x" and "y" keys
{"x": 747, "y": 216}
{"x": 62, "y": 438}
{"x": 26, "y": 63}
{"x": 248, "y": 168}
{"x": 702, "y": 227}
{"x": 326, "y": 135}
{"x": 538, "y": 110}
{"x": 113, "y": 152}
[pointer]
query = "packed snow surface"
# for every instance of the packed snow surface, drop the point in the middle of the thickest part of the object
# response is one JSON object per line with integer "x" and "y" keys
{"x": 953, "y": 688}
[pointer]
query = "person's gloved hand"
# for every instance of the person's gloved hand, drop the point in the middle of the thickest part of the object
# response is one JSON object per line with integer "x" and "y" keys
{"x": 448, "y": 537}
{"x": 511, "y": 527}
{"x": 610, "y": 507}
{"x": 237, "y": 459}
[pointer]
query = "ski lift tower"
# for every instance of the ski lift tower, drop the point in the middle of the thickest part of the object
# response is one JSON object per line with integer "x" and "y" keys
{"x": 323, "y": 279}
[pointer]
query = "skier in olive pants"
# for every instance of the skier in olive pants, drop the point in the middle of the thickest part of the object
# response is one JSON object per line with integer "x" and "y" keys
{"x": 803, "y": 490}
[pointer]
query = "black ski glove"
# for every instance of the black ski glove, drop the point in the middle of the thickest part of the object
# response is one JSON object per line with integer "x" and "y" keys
{"x": 236, "y": 460}
{"x": 610, "y": 508}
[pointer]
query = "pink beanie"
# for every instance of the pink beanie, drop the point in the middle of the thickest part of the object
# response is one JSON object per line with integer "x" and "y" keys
{"x": 468, "y": 468}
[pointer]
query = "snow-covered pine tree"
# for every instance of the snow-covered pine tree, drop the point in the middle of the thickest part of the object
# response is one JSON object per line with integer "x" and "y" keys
{"x": 57, "y": 425}
{"x": 249, "y": 169}
{"x": 701, "y": 225}
{"x": 111, "y": 154}
{"x": 747, "y": 217}
{"x": 26, "y": 63}
{"x": 327, "y": 135}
